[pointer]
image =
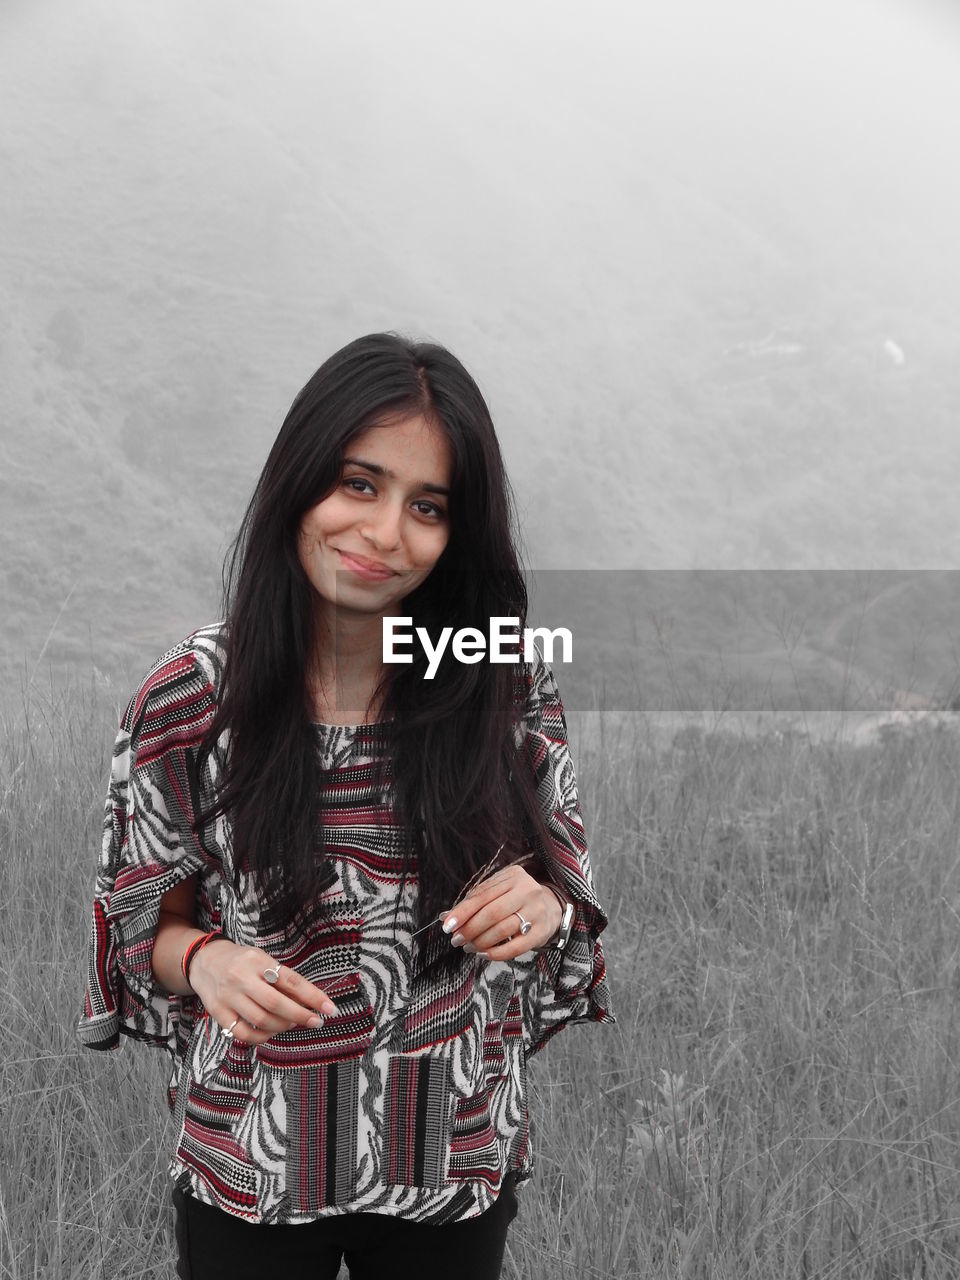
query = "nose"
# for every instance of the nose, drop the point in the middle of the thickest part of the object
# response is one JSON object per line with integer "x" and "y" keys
{"x": 382, "y": 528}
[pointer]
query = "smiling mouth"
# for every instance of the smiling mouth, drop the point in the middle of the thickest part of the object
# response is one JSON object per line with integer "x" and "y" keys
{"x": 366, "y": 568}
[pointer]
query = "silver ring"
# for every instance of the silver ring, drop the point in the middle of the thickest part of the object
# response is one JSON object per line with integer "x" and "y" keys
{"x": 273, "y": 975}
{"x": 525, "y": 925}
{"x": 228, "y": 1031}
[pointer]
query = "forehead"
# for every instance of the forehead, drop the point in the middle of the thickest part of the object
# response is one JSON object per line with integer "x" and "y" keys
{"x": 414, "y": 448}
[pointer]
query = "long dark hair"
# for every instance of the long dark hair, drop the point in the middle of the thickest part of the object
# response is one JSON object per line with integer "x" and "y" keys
{"x": 451, "y": 742}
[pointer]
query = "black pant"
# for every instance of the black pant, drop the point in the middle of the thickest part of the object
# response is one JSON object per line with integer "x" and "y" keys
{"x": 214, "y": 1245}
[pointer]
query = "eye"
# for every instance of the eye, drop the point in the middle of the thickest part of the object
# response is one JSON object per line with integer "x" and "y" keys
{"x": 356, "y": 483}
{"x": 426, "y": 508}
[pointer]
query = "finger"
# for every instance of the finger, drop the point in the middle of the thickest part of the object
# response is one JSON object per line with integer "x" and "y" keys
{"x": 493, "y": 923}
{"x": 260, "y": 1019}
{"x": 533, "y": 912}
{"x": 501, "y": 877}
{"x": 503, "y": 933}
{"x": 497, "y": 883}
{"x": 510, "y": 867}
{"x": 540, "y": 911}
{"x": 512, "y": 949}
{"x": 511, "y": 879}
{"x": 255, "y": 1015}
{"x": 298, "y": 991}
{"x": 284, "y": 1009}
{"x": 482, "y": 892}
{"x": 466, "y": 911}
{"x": 237, "y": 1028}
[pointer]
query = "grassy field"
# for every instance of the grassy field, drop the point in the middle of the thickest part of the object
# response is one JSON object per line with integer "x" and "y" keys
{"x": 778, "y": 1099}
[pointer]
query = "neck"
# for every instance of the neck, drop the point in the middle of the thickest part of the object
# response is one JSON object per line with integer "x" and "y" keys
{"x": 347, "y": 665}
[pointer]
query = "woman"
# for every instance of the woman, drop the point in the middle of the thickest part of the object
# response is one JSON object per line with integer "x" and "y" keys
{"x": 351, "y": 901}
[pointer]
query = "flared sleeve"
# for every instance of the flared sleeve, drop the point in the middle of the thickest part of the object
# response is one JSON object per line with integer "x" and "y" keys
{"x": 570, "y": 985}
{"x": 149, "y": 846}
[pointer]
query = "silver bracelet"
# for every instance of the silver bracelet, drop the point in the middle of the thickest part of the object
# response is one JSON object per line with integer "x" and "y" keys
{"x": 561, "y": 936}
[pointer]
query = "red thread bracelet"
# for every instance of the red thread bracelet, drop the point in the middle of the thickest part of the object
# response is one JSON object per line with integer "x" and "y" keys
{"x": 196, "y": 945}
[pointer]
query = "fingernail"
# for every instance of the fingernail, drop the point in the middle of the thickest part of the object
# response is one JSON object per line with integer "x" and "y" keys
{"x": 329, "y": 1009}
{"x": 469, "y": 949}
{"x": 456, "y": 939}
{"x": 315, "y": 1021}
{"x": 449, "y": 924}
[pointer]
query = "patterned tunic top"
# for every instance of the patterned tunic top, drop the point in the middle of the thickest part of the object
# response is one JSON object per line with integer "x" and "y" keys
{"x": 412, "y": 1099}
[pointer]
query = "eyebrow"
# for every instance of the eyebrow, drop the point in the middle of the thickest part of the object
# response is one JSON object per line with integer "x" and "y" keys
{"x": 392, "y": 475}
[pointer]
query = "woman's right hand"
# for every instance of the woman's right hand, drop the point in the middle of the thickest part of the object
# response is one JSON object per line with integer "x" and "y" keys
{"x": 230, "y": 981}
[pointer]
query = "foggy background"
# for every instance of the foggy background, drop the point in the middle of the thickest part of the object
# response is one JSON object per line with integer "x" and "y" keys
{"x": 702, "y": 260}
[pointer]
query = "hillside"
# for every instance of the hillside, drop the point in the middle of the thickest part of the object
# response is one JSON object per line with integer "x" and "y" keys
{"x": 690, "y": 366}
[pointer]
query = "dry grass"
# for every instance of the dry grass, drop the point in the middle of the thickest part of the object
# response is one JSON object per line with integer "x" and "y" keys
{"x": 778, "y": 1099}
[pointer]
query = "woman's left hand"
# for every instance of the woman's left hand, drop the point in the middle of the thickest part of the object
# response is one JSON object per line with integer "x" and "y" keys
{"x": 488, "y": 920}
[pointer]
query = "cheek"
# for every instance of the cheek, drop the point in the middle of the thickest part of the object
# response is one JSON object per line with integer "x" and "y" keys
{"x": 432, "y": 547}
{"x": 322, "y": 520}
{"x": 304, "y": 545}
{"x": 312, "y": 531}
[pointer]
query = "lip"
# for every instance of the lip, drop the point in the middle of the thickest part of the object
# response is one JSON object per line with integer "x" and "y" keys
{"x": 364, "y": 568}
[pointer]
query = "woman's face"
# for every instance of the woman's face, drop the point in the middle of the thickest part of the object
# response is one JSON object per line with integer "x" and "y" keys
{"x": 384, "y": 526}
